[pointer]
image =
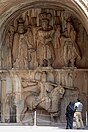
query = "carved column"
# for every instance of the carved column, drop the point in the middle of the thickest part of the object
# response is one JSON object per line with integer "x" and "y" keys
{"x": 18, "y": 95}
{"x": 3, "y": 110}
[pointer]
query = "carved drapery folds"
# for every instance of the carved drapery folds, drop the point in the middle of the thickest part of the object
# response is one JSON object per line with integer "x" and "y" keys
{"x": 44, "y": 42}
{"x": 41, "y": 39}
{"x": 71, "y": 50}
{"x": 45, "y": 47}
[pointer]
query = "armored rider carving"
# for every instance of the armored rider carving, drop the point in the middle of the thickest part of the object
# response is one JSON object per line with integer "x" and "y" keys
{"x": 48, "y": 97}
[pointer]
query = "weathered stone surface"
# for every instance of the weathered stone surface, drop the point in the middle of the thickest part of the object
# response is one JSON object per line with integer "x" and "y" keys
{"x": 38, "y": 38}
{"x": 43, "y": 59}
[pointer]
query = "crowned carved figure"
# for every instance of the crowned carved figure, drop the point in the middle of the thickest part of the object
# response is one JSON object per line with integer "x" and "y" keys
{"x": 45, "y": 49}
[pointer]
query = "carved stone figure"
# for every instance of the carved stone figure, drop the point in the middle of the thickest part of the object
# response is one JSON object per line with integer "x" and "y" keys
{"x": 48, "y": 98}
{"x": 71, "y": 50}
{"x": 69, "y": 30}
{"x": 57, "y": 33}
{"x": 45, "y": 49}
{"x": 56, "y": 41}
{"x": 29, "y": 42}
{"x": 56, "y": 95}
{"x": 31, "y": 39}
{"x": 34, "y": 29}
{"x": 7, "y": 49}
{"x": 70, "y": 53}
{"x": 11, "y": 31}
{"x": 20, "y": 47}
{"x": 45, "y": 88}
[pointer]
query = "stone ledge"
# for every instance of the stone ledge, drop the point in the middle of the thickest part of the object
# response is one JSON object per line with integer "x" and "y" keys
{"x": 44, "y": 69}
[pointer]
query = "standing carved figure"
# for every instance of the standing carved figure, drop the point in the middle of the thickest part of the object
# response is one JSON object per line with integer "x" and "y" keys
{"x": 45, "y": 49}
{"x": 57, "y": 33}
{"x": 71, "y": 50}
{"x": 34, "y": 29}
{"x": 56, "y": 41}
{"x": 28, "y": 41}
{"x": 20, "y": 48}
{"x": 7, "y": 49}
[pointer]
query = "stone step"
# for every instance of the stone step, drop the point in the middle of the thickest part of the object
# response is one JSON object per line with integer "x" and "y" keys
{"x": 36, "y": 129}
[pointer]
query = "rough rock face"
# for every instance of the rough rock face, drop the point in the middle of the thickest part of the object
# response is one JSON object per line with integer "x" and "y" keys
{"x": 43, "y": 59}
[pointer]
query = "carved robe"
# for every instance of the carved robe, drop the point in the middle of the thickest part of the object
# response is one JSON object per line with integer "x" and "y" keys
{"x": 20, "y": 53}
{"x": 45, "y": 48}
{"x": 71, "y": 49}
{"x": 29, "y": 40}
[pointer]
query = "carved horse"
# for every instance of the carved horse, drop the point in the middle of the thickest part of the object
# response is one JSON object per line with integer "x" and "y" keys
{"x": 48, "y": 103}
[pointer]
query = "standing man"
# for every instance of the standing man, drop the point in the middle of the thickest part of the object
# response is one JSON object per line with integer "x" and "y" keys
{"x": 78, "y": 116}
{"x": 69, "y": 115}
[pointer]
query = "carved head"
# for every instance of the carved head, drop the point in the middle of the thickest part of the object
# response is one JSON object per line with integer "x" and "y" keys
{"x": 21, "y": 28}
{"x": 11, "y": 29}
{"x": 62, "y": 91}
{"x": 45, "y": 15}
{"x": 45, "y": 63}
{"x": 44, "y": 19}
{"x": 45, "y": 24}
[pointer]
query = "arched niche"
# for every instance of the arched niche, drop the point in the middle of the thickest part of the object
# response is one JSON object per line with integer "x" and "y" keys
{"x": 70, "y": 77}
{"x": 13, "y": 8}
{"x": 51, "y": 7}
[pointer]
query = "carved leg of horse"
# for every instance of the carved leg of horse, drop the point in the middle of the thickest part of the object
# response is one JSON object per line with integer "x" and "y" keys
{"x": 52, "y": 119}
{"x": 23, "y": 112}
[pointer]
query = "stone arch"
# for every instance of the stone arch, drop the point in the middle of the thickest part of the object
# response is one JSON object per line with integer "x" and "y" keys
{"x": 11, "y": 10}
